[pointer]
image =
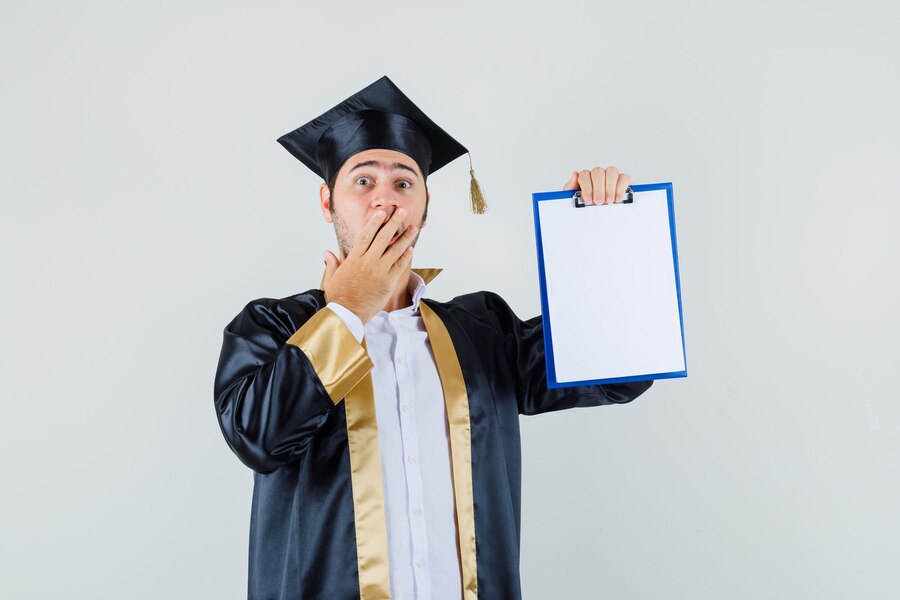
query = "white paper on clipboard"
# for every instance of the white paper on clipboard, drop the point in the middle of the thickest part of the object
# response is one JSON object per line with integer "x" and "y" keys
{"x": 610, "y": 289}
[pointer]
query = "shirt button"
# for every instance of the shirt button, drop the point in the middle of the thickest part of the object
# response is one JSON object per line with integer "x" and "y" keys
{"x": 401, "y": 360}
{"x": 420, "y": 564}
{"x": 412, "y": 460}
{"x": 417, "y": 512}
{"x": 406, "y": 408}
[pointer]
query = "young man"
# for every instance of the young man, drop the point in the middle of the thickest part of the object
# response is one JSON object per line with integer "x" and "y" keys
{"x": 383, "y": 427}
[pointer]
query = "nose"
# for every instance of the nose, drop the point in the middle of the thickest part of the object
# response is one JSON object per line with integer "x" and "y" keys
{"x": 385, "y": 198}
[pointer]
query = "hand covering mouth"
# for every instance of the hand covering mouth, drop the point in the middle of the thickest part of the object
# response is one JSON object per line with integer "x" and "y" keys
{"x": 397, "y": 235}
{"x": 400, "y": 229}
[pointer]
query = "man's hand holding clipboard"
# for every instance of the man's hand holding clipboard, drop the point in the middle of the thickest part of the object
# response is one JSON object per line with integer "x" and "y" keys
{"x": 599, "y": 185}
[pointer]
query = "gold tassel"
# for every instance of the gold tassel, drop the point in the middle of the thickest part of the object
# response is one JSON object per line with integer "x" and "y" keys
{"x": 476, "y": 195}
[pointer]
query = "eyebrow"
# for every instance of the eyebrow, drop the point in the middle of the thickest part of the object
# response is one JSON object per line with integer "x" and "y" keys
{"x": 388, "y": 167}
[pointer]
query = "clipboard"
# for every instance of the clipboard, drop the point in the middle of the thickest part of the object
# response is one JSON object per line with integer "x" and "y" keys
{"x": 610, "y": 287}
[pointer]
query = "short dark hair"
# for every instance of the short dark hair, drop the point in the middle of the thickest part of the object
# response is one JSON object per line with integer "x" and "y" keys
{"x": 333, "y": 179}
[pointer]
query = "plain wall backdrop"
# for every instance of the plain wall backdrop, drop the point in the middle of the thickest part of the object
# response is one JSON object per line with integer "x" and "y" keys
{"x": 145, "y": 202}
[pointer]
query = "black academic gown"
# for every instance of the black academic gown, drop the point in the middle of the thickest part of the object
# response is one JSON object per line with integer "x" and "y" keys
{"x": 294, "y": 400}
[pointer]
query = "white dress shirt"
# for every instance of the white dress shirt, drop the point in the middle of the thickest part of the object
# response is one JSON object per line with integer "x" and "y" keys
{"x": 413, "y": 435}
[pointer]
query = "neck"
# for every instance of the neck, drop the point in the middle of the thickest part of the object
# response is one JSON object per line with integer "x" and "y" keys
{"x": 401, "y": 297}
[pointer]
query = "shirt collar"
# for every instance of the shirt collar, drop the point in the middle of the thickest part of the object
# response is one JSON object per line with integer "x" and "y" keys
{"x": 416, "y": 288}
{"x": 418, "y": 280}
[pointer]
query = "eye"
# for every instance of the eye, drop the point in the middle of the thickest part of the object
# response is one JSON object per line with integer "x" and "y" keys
{"x": 404, "y": 184}
{"x": 363, "y": 181}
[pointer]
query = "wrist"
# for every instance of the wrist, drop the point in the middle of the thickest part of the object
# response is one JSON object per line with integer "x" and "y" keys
{"x": 349, "y": 305}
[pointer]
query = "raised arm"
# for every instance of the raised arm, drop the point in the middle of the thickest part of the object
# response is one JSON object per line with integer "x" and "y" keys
{"x": 284, "y": 365}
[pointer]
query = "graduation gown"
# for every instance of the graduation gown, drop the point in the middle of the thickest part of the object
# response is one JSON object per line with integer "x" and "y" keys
{"x": 294, "y": 399}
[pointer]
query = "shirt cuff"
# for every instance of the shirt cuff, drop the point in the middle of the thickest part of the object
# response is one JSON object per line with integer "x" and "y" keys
{"x": 353, "y": 323}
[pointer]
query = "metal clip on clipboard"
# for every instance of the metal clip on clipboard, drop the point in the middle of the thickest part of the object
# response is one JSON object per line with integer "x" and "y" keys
{"x": 579, "y": 202}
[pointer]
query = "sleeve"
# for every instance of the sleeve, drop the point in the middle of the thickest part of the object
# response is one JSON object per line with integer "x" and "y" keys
{"x": 353, "y": 323}
{"x": 280, "y": 371}
{"x": 525, "y": 345}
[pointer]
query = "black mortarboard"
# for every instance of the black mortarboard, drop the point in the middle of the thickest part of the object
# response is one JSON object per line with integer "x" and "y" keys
{"x": 378, "y": 116}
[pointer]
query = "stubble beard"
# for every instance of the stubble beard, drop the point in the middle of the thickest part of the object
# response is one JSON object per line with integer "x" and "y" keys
{"x": 347, "y": 240}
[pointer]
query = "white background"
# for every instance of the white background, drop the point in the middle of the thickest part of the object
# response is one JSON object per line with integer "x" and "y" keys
{"x": 145, "y": 201}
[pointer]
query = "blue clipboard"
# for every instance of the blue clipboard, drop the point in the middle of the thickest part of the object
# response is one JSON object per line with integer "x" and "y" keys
{"x": 652, "y": 353}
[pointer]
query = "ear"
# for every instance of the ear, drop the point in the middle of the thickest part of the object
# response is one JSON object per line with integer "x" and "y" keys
{"x": 325, "y": 201}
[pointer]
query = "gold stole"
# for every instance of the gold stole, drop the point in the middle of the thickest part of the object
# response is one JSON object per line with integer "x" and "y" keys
{"x": 365, "y": 470}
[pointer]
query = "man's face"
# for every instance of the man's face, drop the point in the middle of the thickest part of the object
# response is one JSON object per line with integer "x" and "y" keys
{"x": 369, "y": 181}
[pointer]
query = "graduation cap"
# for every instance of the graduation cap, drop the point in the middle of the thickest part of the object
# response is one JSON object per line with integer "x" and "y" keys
{"x": 377, "y": 116}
